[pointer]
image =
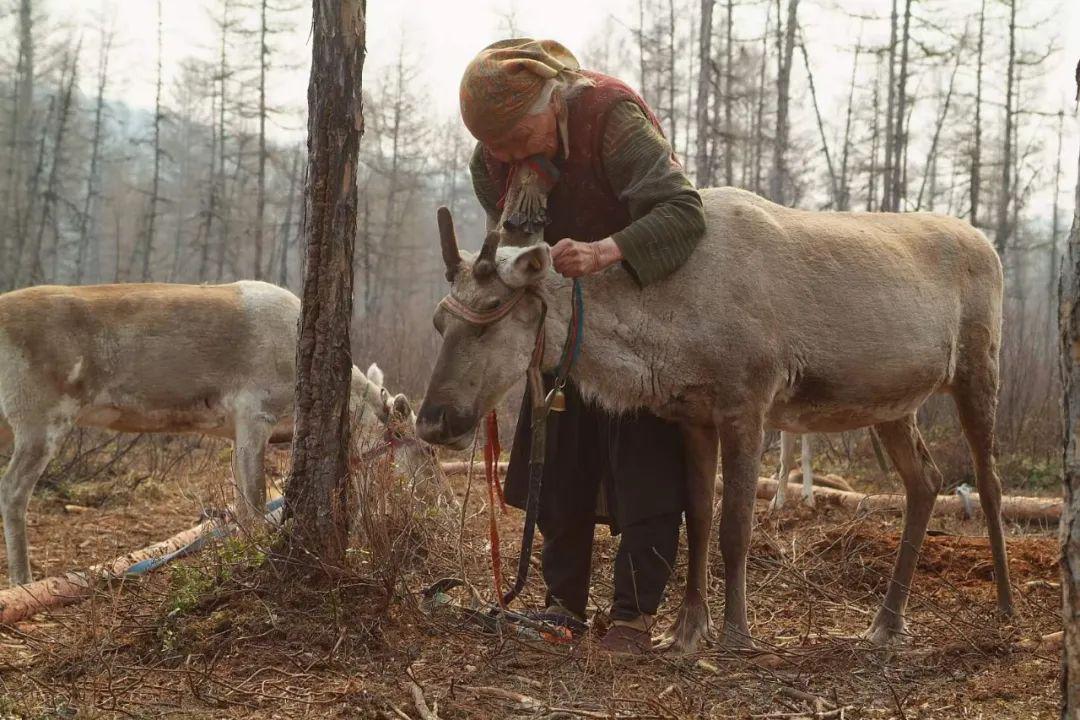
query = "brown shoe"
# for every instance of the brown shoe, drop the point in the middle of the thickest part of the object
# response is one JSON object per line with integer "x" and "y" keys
{"x": 626, "y": 640}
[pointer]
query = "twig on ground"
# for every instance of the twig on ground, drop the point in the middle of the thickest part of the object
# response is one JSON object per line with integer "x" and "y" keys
{"x": 426, "y": 713}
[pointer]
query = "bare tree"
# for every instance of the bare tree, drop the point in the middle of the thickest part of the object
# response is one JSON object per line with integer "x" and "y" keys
{"x": 260, "y": 200}
{"x": 975, "y": 176}
{"x": 316, "y": 496}
{"x": 729, "y": 95}
{"x": 1002, "y": 228}
{"x": 785, "y": 35}
{"x": 898, "y": 183}
{"x": 31, "y": 261}
{"x": 87, "y": 216}
{"x": 287, "y": 224}
{"x": 150, "y": 228}
{"x": 1070, "y": 519}
{"x": 701, "y": 165}
{"x": 890, "y": 114}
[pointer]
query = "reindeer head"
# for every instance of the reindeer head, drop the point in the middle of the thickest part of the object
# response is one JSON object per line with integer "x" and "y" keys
{"x": 488, "y": 324}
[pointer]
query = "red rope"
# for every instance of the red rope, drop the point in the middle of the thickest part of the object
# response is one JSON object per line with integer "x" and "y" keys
{"x": 492, "y": 452}
{"x": 491, "y": 470}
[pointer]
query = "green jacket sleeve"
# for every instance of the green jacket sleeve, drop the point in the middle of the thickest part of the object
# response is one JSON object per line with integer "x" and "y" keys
{"x": 667, "y": 217}
{"x": 485, "y": 190}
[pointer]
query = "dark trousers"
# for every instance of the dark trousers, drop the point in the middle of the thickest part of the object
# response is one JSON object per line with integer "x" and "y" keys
{"x": 636, "y": 462}
{"x": 643, "y": 564}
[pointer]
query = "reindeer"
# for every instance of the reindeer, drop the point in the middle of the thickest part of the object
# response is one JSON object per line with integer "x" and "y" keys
{"x": 216, "y": 360}
{"x": 877, "y": 312}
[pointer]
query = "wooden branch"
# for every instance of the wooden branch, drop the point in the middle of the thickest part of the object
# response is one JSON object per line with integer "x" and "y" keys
{"x": 23, "y": 601}
{"x": 837, "y": 491}
{"x": 1015, "y": 508}
{"x": 422, "y": 708}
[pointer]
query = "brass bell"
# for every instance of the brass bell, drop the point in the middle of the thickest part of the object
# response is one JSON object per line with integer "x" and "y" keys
{"x": 556, "y": 400}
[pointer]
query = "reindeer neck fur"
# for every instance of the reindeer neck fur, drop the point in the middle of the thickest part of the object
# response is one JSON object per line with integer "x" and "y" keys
{"x": 624, "y": 344}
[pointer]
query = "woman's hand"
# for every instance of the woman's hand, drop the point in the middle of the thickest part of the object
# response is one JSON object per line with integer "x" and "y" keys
{"x": 575, "y": 259}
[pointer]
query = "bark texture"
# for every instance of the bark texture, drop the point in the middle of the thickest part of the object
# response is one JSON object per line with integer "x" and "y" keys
{"x": 317, "y": 494}
{"x": 1070, "y": 519}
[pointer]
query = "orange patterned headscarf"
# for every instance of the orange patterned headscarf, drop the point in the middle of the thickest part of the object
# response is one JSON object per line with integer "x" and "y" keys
{"x": 505, "y": 80}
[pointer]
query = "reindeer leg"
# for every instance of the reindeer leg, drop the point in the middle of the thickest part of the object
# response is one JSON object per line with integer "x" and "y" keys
{"x": 693, "y": 622}
{"x": 252, "y": 434}
{"x": 740, "y": 448}
{"x": 976, "y": 404}
{"x": 34, "y": 448}
{"x": 922, "y": 480}
{"x": 807, "y": 470}
{"x": 787, "y": 459}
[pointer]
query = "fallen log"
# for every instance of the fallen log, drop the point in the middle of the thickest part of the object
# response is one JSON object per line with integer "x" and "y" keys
{"x": 20, "y": 602}
{"x": 830, "y": 481}
{"x": 1015, "y": 508}
{"x": 831, "y": 490}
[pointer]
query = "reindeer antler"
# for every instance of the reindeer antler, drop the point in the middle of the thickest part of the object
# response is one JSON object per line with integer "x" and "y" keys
{"x": 450, "y": 253}
{"x": 485, "y": 263}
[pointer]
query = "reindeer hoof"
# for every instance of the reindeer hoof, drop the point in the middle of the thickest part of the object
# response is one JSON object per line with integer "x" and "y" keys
{"x": 884, "y": 633}
{"x": 735, "y": 638}
{"x": 690, "y": 629}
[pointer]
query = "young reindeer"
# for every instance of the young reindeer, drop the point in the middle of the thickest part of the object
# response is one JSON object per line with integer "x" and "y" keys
{"x": 876, "y": 313}
{"x": 215, "y": 360}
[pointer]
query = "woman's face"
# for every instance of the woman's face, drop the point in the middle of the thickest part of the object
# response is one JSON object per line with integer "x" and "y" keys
{"x": 535, "y": 134}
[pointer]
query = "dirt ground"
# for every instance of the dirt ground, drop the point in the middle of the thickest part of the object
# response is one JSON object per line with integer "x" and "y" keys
{"x": 223, "y": 635}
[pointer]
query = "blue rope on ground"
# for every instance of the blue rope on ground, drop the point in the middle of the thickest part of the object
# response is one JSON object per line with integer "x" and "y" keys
{"x": 141, "y": 568}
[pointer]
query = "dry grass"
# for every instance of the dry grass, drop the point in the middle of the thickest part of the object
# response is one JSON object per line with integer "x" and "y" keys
{"x": 221, "y": 635}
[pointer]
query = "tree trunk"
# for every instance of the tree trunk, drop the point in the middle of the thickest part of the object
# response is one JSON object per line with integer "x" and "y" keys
{"x": 898, "y": 184}
{"x": 260, "y": 201}
{"x": 1070, "y": 519}
{"x": 209, "y": 212}
{"x": 641, "y": 49}
{"x": 759, "y": 131}
{"x": 223, "y": 206}
{"x": 34, "y": 273}
{"x": 155, "y": 188}
{"x": 316, "y": 497}
{"x": 701, "y": 166}
{"x": 286, "y": 230}
{"x": 729, "y": 100}
{"x": 1055, "y": 222}
{"x": 671, "y": 72}
{"x": 890, "y": 116}
{"x": 975, "y": 180}
{"x": 1001, "y": 231}
{"x": 871, "y": 186}
{"x": 86, "y": 221}
{"x": 778, "y": 179}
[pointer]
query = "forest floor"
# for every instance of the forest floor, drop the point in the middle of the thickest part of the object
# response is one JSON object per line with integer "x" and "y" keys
{"x": 222, "y": 635}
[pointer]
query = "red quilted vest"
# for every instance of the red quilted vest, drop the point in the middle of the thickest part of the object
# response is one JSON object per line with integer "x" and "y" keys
{"x": 582, "y": 204}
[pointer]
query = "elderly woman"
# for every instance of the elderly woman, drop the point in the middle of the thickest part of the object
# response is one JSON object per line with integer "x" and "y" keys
{"x": 580, "y": 157}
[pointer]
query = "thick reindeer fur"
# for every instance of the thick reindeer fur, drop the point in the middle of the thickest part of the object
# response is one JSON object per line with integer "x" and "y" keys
{"x": 872, "y": 315}
{"x": 217, "y": 360}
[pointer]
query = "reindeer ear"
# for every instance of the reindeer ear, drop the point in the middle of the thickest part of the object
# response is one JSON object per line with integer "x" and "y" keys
{"x": 523, "y": 267}
{"x": 375, "y": 374}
